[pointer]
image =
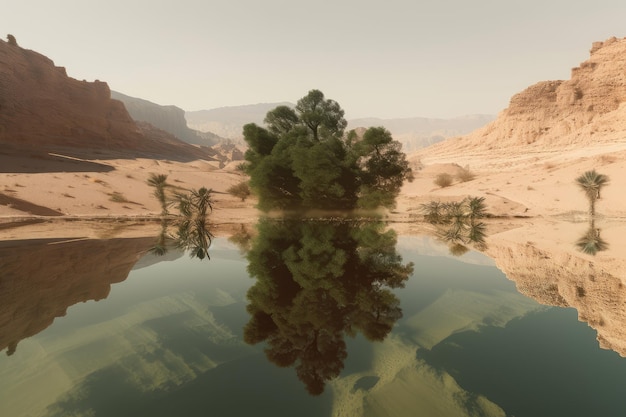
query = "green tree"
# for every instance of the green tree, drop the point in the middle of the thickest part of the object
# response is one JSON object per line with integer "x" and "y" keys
{"x": 304, "y": 159}
{"x": 323, "y": 117}
{"x": 240, "y": 190}
{"x": 591, "y": 182}
{"x": 382, "y": 166}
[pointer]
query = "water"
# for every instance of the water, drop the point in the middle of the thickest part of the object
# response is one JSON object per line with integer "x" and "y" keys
{"x": 177, "y": 336}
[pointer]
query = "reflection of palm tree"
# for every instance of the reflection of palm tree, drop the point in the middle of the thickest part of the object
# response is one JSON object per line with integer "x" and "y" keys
{"x": 591, "y": 183}
{"x": 317, "y": 282}
{"x": 591, "y": 242}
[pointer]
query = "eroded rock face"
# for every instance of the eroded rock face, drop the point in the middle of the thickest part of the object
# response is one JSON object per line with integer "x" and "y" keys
{"x": 563, "y": 279}
{"x": 41, "y": 107}
{"x": 551, "y": 114}
{"x": 41, "y": 279}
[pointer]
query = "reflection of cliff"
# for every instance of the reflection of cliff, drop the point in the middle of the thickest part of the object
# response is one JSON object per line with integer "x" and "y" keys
{"x": 40, "y": 279}
{"x": 562, "y": 278}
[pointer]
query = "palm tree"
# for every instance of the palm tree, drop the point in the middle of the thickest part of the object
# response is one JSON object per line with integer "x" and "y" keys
{"x": 159, "y": 182}
{"x": 591, "y": 183}
{"x": 477, "y": 208}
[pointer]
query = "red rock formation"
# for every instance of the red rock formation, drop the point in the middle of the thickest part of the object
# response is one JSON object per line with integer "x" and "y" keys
{"x": 42, "y": 108}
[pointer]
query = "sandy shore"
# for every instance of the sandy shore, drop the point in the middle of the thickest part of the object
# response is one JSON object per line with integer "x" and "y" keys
{"x": 520, "y": 190}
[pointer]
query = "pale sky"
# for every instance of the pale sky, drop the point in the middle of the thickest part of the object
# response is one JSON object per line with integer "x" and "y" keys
{"x": 391, "y": 58}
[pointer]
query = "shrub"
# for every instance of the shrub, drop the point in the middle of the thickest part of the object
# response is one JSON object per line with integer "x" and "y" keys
{"x": 443, "y": 180}
{"x": 118, "y": 197}
{"x": 241, "y": 190}
{"x": 465, "y": 174}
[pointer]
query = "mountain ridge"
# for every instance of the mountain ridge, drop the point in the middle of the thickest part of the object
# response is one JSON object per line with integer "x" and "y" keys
{"x": 413, "y": 132}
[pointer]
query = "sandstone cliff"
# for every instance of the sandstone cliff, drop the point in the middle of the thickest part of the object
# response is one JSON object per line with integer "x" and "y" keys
{"x": 587, "y": 109}
{"x": 41, "y": 108}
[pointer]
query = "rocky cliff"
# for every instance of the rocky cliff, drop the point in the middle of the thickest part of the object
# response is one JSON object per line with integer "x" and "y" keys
{"x": 168, "y": 118}
{"x": 586, "y": 109}
{"x": 41, "y": 108}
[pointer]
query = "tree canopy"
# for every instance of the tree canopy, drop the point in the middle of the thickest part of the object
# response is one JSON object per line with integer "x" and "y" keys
{"x": 304, "y": 159}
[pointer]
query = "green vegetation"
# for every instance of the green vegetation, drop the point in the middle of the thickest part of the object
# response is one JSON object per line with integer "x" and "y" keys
{"x": 303, "y": 159}
{"x": 193, "y": 232}
{"x": 457, "y": 221}
{"x": 240, "y": 190}
{"x": 192, "y": 227}
{"x": 591, "y": 183}
{"x": 159, "y": 182}
{"x": 316, "y": 283}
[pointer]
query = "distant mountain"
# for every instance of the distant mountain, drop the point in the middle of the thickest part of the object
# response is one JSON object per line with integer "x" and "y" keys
{"x": 418, "y": 132}
{"x": 413, "y": 133}
{"x": 168, "y": 118}
{"x": 228, "y": 122}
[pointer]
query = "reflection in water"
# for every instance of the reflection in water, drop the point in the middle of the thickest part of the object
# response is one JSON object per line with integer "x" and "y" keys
{"x": 591, "y": 243}
{"x": 193, "y": 232}
{"x": 41, "y": 278}
{"x": 457, "y": 223}
{"x": 316, "y": 282}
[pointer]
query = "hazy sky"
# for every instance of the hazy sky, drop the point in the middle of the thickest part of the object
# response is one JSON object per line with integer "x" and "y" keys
{"x": 391, "y": 58}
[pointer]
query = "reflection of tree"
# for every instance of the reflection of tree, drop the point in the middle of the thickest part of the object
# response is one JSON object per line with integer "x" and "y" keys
{"x": 192, "y": 227}
{"x": 591, "y": 242}
{"x": 317, "y": 281}
{"x": 457, "y": 223}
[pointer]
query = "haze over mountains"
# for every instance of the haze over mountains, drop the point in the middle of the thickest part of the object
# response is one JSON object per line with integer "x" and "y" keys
{"x": 414, "y": 133}
{"x": 168, "y": 118}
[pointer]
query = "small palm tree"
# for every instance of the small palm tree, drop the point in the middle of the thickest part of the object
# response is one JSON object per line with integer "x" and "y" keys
{"x": 591, "y": 183}
{"x": 477, "y": 209}
{"x": 159, "y": 182}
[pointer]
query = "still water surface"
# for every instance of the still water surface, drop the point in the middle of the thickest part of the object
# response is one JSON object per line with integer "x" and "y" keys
{"x": 450, "y": 336}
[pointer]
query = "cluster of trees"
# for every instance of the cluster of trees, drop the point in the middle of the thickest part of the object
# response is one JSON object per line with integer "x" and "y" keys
{"x": 317, "y": 282}
{"x": 304, "y": 159}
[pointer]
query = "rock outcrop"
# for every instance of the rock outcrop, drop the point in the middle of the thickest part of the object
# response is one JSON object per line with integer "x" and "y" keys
{"x": 41, "y": 108}
{"x": 587, "y": 109}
